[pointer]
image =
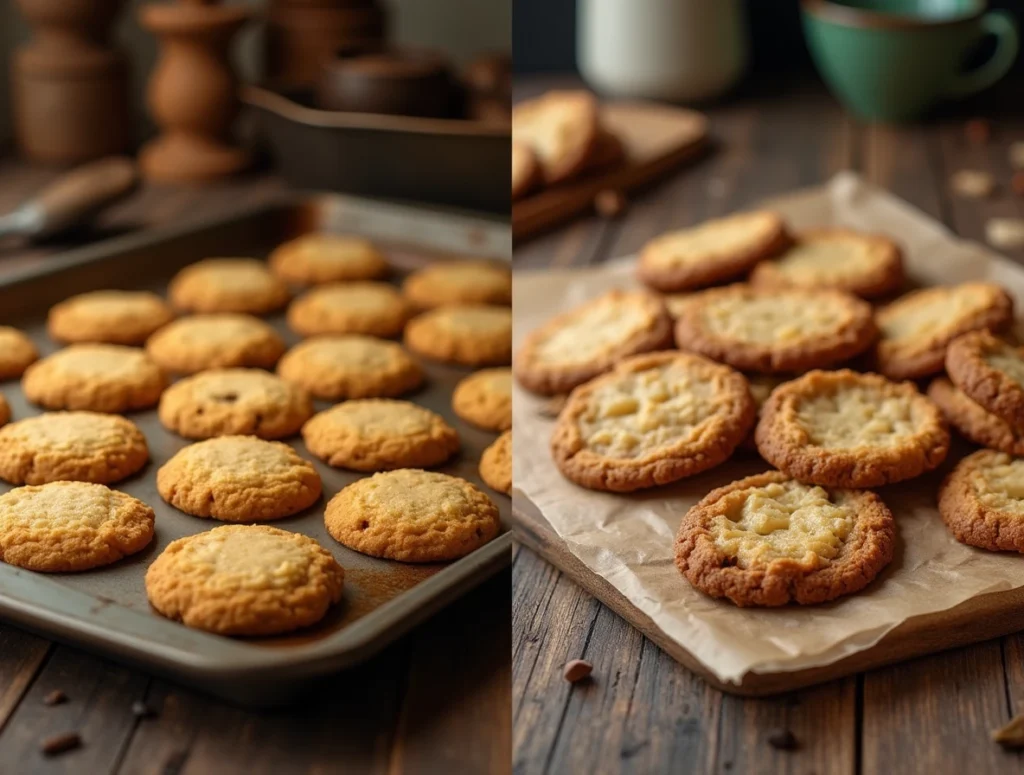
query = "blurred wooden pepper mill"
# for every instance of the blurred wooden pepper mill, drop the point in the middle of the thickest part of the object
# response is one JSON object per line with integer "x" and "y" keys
{"x": 192, "y": 93}
{"x": 69, "y": 86}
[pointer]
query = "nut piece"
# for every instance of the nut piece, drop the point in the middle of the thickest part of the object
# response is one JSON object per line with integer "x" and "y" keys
{"x": 610, "y": 203}
{"x": 783, "y": 740}
{"x": 978, "y": 131}
{"x": 58, "y": 744}
{"x": 1005, "y": 233}
{"x": 576, "y": 670}
{"x": 1011, "y": 735}
{"x": 972, "y": 183}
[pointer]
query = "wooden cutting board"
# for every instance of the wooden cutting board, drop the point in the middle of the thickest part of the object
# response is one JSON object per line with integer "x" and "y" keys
{"x": 656, "y": 138}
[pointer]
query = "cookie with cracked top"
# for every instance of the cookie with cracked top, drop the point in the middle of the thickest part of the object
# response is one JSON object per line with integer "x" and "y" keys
{"x": 982, "y": 501}
{"x": 972, "y": 421}
{"x": 990, "y": 372}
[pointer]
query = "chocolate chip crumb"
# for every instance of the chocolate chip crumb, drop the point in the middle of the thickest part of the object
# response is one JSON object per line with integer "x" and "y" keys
{"x": 783, "y": 740}
{"x": 58, "y": 744}
{"x": 576, "y": 670}
{"x": 56, "y": 697}
{"x": 142, "y": 710}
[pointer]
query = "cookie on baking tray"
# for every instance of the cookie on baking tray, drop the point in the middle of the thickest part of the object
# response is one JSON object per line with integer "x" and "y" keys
{"x": 16, "y": 353}
{"x": 711, "y": 253}
{"x": 215, "y": 341}
{"x": 466, "y": 335}
{"x": 484, "y": 399}
{"x": 847, "y": 429}
{"x": 769, "y": 540}
{"x": 238, "y": 479}
{"x": 234, "y": 402}
{"x": 95, "y": 377}
{"x": 115, "y": 317}
{"x": 972, "y": 421}
{"x": 412, "y": 516}
{"x": 654, "y": 419}
{"x": 775, "y": 331}
{"x": 71, "y": 446}
{"x": 375, "y": 309}
{"x": 245, "y": 580}
{"x": 352, "y": 366}
{"x": 321, "y": 257}
{"x": 917, "y": 328}
{"x": 588, "y": 340}
{"x": 71, "y": 526}
{"x": 991, "y": 373}
{"x": 982, "y": 501}
{"x": 496, "y": 464}
{"x": 379, "y": 434}
{"x": 561, "y": 128}
{"x": 526, "y": 174}
{"x": 459, "y": 282}
{"x": 228, "y": 285}
{"x": 866, "y": 265}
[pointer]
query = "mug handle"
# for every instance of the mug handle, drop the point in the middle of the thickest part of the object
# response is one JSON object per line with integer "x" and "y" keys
{"x": 1004, "y": 28}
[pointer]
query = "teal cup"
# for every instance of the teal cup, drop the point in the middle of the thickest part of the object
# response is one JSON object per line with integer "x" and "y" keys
{"x": 892, "y": 60}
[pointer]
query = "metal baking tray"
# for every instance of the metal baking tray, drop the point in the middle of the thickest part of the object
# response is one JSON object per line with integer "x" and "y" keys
{"x": 105, "y": 610}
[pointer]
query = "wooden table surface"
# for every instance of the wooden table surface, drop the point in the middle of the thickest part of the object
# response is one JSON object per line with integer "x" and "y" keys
{"x": 435, "y": 701}
{"x": 643, "y": 712}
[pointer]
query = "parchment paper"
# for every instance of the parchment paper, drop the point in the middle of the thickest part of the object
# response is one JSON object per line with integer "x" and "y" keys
{"x": 628, "y": 539}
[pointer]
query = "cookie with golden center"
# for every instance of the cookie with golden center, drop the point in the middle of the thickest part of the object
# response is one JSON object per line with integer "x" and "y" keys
{"x": 526, "y": 173}
{"x": 234, "y": 402}
{"x": 228, "y": 285}
{"x": 5, "y": 410}
{"x": 238, "y": 479}
{"x": 353, "y": 366}
{"x": 654, "y": 419}
{"x": 846, "y": 429}
{"x": 379, "y": 434}
{"x": 71, "y": 446}
{"x": 245, "y": 580}
{"x": 778, "y": 330}
{"x": 577, "y": 345}
{"x": 215, "y": 341}
{"x": 982, "y": 501}
{"x": 917, "y": 328}
{"x": 114, "y": 317}
{"x": 866, "y": 265}
{"x": 375, "y": 309}
{"x": 972, "y": 421}
{"x": 320, "y": 257}
{"x": 484, "y": 399}
{"x": 562, "y": 130}
{"x": 412, "y": 516}
{"x": 16, "y": 353}
{"x": 63, "y": 527}
{"x": 95, "y": 377}
{"x": 769, "y": 540}
{"x": 459, "y": 282}
{"x": 466, "y": 335}
{"x": 714, "y": 252}
{"x": 990, "y": 372}
{"x": 496, "y": 464}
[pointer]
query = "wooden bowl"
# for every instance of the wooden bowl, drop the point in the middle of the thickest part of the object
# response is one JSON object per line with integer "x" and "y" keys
{"x": 396, "y": 82}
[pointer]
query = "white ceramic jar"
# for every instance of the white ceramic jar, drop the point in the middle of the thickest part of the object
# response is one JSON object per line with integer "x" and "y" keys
{"x": 674, "y": 50}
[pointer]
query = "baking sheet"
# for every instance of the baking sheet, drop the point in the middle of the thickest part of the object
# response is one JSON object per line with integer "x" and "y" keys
{"x": 628, "y": 540}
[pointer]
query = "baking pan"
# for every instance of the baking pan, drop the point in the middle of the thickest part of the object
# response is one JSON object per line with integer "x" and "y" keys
{"x": 106, "y": 610}
{"x": 442, "y": 161}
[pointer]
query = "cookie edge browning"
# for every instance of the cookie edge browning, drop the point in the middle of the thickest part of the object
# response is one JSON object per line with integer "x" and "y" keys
{"x": 972, "y": 421}
{"x": 14, "y": 369}
{"x": 476, "y": 407}
{"x": 968, "y": 520}
{"x": 573, "y": 163}
{"x": 423, "y": 339}
{"x": 532, "y": 178}
{"x": 63, "y": 328}
{"x": 783, "y": 581}
{"x": 597, "y": 472}
{"x": 493, "y": 462}
{"x": 5, "y": 411}
{"x": 987, "y": 386}
{"x": 783, "y": 443}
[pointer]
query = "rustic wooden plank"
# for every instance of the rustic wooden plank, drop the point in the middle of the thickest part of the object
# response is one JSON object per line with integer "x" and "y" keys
{"x": 22, "y": 656}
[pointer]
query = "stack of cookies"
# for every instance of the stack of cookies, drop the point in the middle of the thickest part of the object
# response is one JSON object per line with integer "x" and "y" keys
{"x": 124, "y": 348}
{"x": 796, "y": 345}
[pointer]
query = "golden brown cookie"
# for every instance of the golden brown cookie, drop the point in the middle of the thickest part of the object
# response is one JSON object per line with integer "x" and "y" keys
{"x": 5, "y": 410}
{"x": 467, "y": 335}
{"x": 866, "y": 265}
{"x": 320, "y": 257}
{"x": 778, "y": 330}
{"x": 62, "y": 527}
{"x": 228, "y": 285}
{"x": 496, "y": 464}
{"x": 654, "y": 419}
{"x": 412, "y": 516}
{"x": 459, "y": 282}
{"x": 245, "y": 580}
{"x": 72, "y": 446}
{"x": 917, "y": 328}
{"x": 234, "y": 402}
{"x": 982, "y": 501}
{"x": 378, "y": 434}
{"x": 526, "y": 174}
{"x": 238, "y": 479}
{"x": 712, "y": 253}
{"x": 16, "y": 353}
{"x": 95, "y": 377}
{"x": 589, "y": 340}
{"x": 484, "y": 399}
{"x": 769, "y": 540}
{"x": 115, "y": 317}
{"x": 972, "y": 421}
{"x": 561, "y": 128}
{"x": 220, "y": 341}
{"x": 375, "y": 309}
{"x": 846, "y": 429}
{"x": 991, "y": 373}
{"x": 353, "y": 366}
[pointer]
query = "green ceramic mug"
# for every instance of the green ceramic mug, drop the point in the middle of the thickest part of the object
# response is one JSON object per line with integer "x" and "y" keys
{"x": 891, "y": 60}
